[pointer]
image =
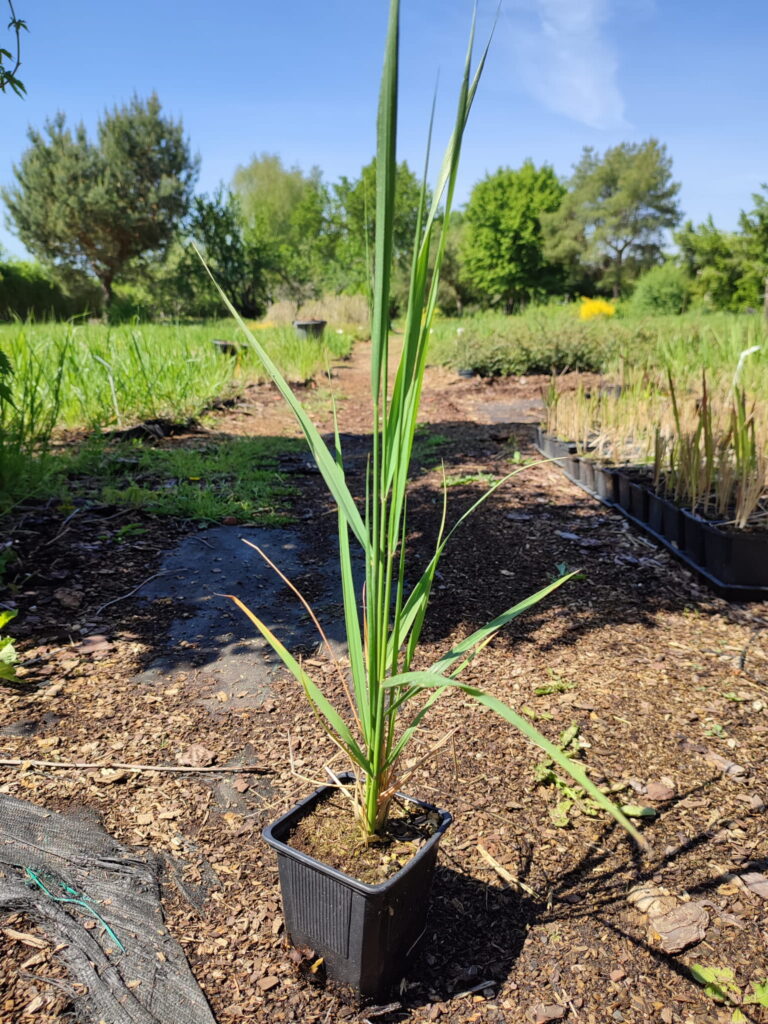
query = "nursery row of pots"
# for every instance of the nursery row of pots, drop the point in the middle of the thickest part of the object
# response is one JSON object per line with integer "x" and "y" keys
{"x": 733, "y": 561}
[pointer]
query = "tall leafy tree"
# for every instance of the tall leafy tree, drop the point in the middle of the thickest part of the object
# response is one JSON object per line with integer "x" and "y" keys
{"x": 728, "y": 268}
{"x": 503, "y": 248}
{"x": 240, "y": 264}
{"x": 284, "y": 214}
{"x": 102, "y": 207}
{"x": 616, "y": 211}
{"x": 353, "y": 225}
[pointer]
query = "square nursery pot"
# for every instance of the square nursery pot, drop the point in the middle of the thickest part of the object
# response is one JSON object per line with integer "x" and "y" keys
{"x": 572, "y": 468}
{"x": 638, "y": 501}
{"x": 693, "y": 537}
{"x": 587, "y": 474}
{"x": 606, "y": 483}
{"x": 551, "y": 447}
{"x": 622, "y": 490}
{"x": 736, "y": 557}
{"x": 665, "y": 519}
{"x": 365, "y": 933}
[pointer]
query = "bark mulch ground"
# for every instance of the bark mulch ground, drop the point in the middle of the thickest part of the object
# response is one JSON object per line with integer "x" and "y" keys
{"x": 530, "y": 917}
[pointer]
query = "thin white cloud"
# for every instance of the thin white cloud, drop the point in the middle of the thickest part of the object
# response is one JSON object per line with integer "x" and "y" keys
{"x": 566, "y": 62}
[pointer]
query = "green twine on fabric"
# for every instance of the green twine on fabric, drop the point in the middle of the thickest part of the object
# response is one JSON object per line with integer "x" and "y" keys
{"x": 74, "y": 897}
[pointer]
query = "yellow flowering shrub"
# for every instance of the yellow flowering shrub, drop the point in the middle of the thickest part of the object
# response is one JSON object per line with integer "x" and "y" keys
{"x": 591, "y": 308}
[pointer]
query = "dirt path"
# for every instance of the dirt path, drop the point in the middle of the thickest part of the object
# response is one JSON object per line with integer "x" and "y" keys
{"x": 667, "y": 684}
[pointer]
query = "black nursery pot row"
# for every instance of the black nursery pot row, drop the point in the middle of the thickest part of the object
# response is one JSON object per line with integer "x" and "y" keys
{"x": 734, "y": 561}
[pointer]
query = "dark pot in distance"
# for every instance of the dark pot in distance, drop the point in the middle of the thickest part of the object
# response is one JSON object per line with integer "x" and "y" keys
{"x": 606, "y": 483}
{"x": 693, "y": 537}
{"x": 638, "y": 501}
{"x": 551, "y": 447}
{"x": 309, "y": 328}
{"x": 736, "y": 557}
{"x": 572, "y": 467}
{"x": 622, "y": 490}
{"x": 587, "y": 474}
{"x": 365, "y": 933}
{"x": 664, "y": 518}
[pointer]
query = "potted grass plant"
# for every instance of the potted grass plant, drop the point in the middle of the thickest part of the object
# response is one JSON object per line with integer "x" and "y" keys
{"x": 365, "y": 930}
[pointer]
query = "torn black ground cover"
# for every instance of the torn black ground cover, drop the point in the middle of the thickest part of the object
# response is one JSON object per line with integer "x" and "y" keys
{"x": 101, "y": 901}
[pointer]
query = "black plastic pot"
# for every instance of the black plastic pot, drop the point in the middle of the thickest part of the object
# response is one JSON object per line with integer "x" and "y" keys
{"x": 365, "y": 933}
{"x": 736, "y": 557}
{"x": 664, "y": 519}
{"x": 606, "y": 484}
{"x": 587, "y": 474}
{"x": 638, "y": 501}
{"x": 572, "y": 468}
{"x": 309, "y": 328}
{"x": 693, "y": 536}
{"x": 551, "y": 447}
{"x": 622, "y": 490}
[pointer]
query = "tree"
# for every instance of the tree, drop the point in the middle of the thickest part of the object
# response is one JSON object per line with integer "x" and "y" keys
{"x": 8, "y": 76}
{"x": 103, "y": 207}
{"x": 284, "y": 214}
{"x": 240, "y": 265}
{"x": 727, "y": 268}
{"x": 616, "y": 211}
{"x": 503, "y": 250}
{"x": 353, "y": 226}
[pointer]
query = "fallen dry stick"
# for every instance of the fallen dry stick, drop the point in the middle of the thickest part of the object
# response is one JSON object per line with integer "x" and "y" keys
{"x": 18, "y": 761}
{"x": 502, "y": 872}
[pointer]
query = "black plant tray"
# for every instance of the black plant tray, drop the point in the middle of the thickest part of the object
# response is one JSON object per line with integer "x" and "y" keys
{"x": 365, "y": 933}
{"x": 734, "y": 565}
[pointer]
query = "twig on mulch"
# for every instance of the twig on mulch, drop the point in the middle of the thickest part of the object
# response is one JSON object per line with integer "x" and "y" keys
{"x": 502, "y": 872}
{"x": 18, "y": 761}
{"x": 63, "y": 530}
{"x": 124, "y": 597}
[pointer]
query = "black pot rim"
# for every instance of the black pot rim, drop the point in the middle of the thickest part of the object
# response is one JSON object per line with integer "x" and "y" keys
{"x": 268, "y": 834}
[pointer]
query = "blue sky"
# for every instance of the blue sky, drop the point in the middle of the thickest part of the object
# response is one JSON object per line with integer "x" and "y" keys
{"x": 300, "y": 79}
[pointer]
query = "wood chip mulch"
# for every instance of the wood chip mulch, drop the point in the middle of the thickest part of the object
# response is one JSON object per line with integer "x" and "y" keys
{"x": 529, "y": 921}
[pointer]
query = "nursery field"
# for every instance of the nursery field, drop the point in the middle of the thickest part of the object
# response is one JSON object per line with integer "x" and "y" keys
{"x": 88, "y": 377}
{"x": 541, "y": 910}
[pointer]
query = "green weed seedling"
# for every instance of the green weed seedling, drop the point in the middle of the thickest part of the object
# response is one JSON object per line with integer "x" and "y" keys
{"x": 9, "y": 657}
{"x": 128, "y": 531}
{"x": 719, "y": 983}
{"x": 558, "y": 684}
{"x": 572, "y": 794}
{"x": 471, "y": 478}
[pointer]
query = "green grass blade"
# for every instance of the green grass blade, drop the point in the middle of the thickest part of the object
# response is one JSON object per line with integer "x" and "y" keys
{"x": 423, "y": 680}
{"x": 324, "y": 460}
{"x": 316, "y": 697}
{"x": 481, "y": 635}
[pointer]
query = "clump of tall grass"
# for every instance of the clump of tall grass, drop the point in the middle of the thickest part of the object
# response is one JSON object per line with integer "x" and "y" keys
{"x": 94, "y": 376}
{"x": 543, "y": 339}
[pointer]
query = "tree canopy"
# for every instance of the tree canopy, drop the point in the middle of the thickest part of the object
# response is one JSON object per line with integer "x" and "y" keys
{"x": 503, "y": 247}
{"x": 98, "y": 207}
{"x": 615, "y": 213}
{"x": 353, "y": 224}
{"x": 284, "y": 216}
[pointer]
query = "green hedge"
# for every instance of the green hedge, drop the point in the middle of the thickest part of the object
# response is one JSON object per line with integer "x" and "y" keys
{"x": 27, "y": 291}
